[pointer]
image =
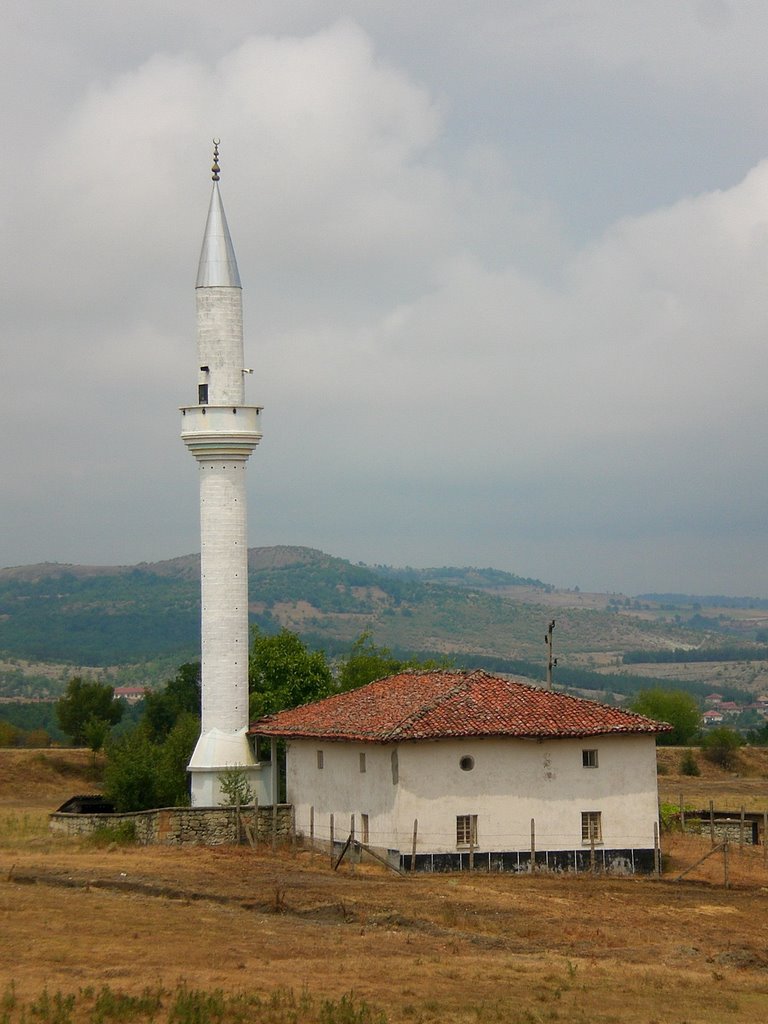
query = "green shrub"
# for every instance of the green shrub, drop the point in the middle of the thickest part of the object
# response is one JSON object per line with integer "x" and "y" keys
{"x": 123, "y": 834}
{"x": 688, "y": 763}
{"x": 669, "y": 816}
{"x": 721, "y": 747}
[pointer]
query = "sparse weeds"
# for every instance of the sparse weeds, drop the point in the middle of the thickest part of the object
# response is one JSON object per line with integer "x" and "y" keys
{"x": 115, "y": 1007}
{"x": 185, "y": 1005}
{"x": 16, "y": 826}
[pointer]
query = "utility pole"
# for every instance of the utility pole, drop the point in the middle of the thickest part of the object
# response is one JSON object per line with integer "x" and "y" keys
{"x": 551, "y": 661}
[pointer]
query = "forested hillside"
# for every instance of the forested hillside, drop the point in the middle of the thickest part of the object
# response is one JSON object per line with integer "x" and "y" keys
{"x": 136, "y": 623}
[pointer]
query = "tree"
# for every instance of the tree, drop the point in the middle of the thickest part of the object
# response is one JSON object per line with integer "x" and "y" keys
{"x": 130, "y": 777}
{"x": 10, "y": 735}
{"x": 366, "y": 662}
{"x": 235, "y": 786}
{"x": 284, "y": 673}
{"x": 172, "y": 784}
{"x": 721, "y": 747}
{"x": 673, "y": 706}
{"x": 85, "y": 707}
{"x": 179, "y": 696}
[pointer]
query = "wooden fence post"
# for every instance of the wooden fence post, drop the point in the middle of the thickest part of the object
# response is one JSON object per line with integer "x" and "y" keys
{"x": 712, "y": 822}
{"x": 352, "y": 843}
{"x": 726, "y": 877}
{"x": 741, "y": 828}
{"x": 533, "y": 844}
{"x": 312, "y": 827}
{"x": 413, "y": 845}
{"x": 331, "y": 839}
{"x": 592, "y": 864}
{"x": 656, "y": 850}
{"x": 471, "y": 844}
{"x": 682, "y": 814}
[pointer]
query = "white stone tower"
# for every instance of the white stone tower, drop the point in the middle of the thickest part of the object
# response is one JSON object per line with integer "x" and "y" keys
{"x": 221, "y": 432}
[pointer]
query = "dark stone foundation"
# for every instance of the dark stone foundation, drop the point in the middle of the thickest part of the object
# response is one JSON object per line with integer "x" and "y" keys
{"x": 614, "y": 862}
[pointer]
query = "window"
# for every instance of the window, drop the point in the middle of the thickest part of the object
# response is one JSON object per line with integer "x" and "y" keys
{"x": 319, "y": 759}
{"x": 589, "y": 758}
{"x": 591, "y": 827}
{"x": 466, "y": 830}
{"x": 362, "y": 761}
{"x": 364, "y": 827}
{"x": 467, "y": 763}
{"x": 395, "y": 767}
{"x": 202, "y": 394}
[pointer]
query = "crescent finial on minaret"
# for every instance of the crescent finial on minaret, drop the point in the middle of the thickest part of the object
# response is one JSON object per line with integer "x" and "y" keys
{"x": 215, "y": 169}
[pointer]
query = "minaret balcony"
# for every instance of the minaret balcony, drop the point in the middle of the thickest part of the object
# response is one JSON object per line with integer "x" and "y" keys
{"x": 226, "y": 430}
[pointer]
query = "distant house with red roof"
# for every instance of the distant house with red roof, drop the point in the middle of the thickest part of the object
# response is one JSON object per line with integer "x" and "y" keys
{"x": 712, "y": 718}
{"x": 481, "y": 767}
{"x": 131, "y": 694}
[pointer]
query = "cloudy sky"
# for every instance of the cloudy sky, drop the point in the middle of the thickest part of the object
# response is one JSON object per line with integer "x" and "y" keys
{"x": 504, "y": 268}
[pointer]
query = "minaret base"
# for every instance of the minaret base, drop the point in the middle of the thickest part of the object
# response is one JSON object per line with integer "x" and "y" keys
{"x": 217, "y": 751}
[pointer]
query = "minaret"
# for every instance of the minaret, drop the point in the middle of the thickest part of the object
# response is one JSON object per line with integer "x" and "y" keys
{"x": 221, "y": 432}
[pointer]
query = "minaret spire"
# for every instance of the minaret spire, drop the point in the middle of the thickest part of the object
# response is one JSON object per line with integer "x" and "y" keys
{"x": 221, "y": 431}
{"x": 218, "y": 266}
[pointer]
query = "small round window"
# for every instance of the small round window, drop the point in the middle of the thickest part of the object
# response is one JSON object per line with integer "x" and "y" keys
{"x": 467, "y": 763}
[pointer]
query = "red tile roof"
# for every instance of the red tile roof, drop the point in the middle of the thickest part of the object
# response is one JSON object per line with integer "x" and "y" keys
{"x": 417, "y": 705}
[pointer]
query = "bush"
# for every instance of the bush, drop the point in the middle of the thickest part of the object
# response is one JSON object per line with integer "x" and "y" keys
{"x": 130, "y": 778}
{"x": 688, "y": 763}
{"x": 721, "y": 747}
{"x": 122, "y": 834}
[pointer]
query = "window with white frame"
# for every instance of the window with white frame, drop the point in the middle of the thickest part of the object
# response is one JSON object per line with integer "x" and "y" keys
{"x": 589, "y": 758}
{"x": 362, "y": 761}
{"x": 591, "y": 827}
{"x": 320, "y": 759}
{"x": 466, "y": 830}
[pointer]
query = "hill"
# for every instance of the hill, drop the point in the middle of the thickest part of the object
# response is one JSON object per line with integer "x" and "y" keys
{"x": 137, "y": 623}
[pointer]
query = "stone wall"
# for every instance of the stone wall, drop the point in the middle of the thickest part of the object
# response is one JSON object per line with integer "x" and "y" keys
{"x": 184, "y": 826}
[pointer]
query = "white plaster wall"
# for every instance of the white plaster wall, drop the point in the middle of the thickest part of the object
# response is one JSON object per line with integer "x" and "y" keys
{"x": 224, "y": 594}
{"x": 341, "y": 789}
{"x": 512, "y": 782}
{"x": 220, "y": 343}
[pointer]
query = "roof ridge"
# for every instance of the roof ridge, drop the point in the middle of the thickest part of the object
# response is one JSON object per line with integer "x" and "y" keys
{"x": 426, "y": 709}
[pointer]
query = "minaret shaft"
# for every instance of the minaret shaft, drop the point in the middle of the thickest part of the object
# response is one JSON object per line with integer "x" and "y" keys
{"x": 221, "y": 432}
{"x": 224, "y": 594}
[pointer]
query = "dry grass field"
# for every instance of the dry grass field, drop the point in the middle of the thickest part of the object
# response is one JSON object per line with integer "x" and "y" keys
{"x": 110, "y": 924}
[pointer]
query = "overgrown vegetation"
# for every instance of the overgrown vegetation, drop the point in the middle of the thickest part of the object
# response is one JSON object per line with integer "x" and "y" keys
{"x": 121, "y": 834}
